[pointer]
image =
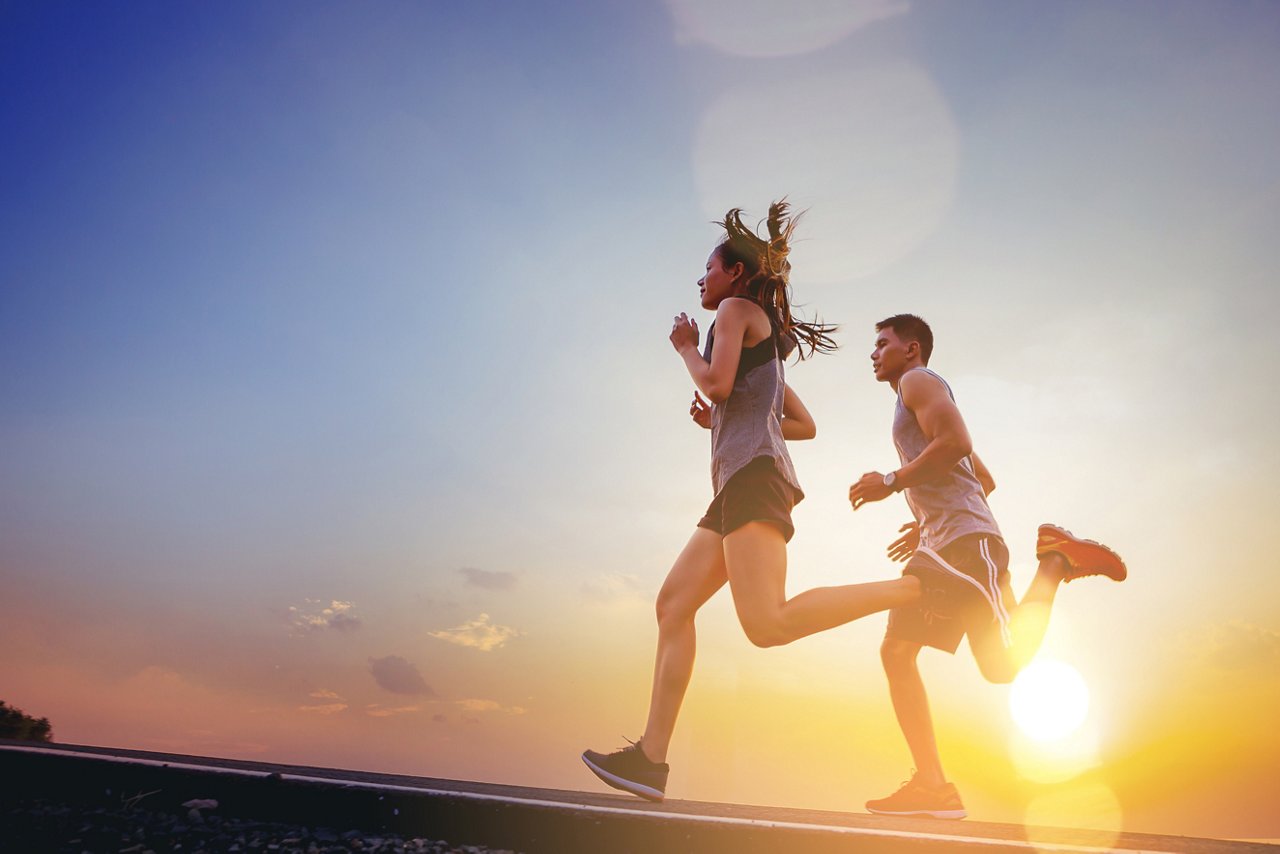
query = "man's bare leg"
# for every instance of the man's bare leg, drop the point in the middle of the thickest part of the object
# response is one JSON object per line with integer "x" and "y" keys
{"x": 911, "y": 707}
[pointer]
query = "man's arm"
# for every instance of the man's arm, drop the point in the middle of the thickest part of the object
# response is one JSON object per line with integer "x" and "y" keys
{"x": 942, "y": 425}
{"x": 984, "y": 475}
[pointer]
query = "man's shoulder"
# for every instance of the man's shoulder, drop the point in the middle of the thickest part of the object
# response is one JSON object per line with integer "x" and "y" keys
{"x": 923, "y": 387}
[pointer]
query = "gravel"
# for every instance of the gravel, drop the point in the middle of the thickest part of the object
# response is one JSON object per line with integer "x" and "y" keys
{"x": 39, "y": 826}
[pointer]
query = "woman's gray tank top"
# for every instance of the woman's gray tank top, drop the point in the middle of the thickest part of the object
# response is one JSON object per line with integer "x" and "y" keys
{"x": 951, "y": 506}
{"x": 749, "y": 423}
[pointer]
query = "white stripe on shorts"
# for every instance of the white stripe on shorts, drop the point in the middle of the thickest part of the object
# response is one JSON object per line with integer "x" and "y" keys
{"x": 997, "y": 605}
{"x": 993, "y": 581}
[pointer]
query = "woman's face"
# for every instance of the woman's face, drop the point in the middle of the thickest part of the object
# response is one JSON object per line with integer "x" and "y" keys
{"x": 717, "y": 284}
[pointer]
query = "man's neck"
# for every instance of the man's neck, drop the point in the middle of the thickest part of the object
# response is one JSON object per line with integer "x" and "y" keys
{"x": 896, "y": 381}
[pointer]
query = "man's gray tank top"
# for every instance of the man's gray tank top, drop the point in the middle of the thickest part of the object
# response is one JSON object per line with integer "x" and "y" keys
{"x": 950, "y": 506}
{"x": 748, "y": 424}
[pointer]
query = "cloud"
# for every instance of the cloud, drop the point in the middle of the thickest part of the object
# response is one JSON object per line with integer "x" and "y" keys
{"x": 1238, "y": 645}
{"x": 315, "y": 615}
{"x": 332, "y": 708}
{"x": 398, "y": 676}
{"x": 379, "y": 711}
{"x": 477, "y": 705}
{"x": 478, "y": 634}
{"x": 324, "y": 708}
{"x": 612, "y": 588}
{"x": 487, "y": 580}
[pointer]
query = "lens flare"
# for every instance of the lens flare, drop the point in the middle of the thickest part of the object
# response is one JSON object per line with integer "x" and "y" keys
{"x": 1049, "y": 700}
{"x": 1089, "y": 811}
{"x": 871, "y": 157}
{"x": 763, "y": 28}
{"x": 1055, "y": 760}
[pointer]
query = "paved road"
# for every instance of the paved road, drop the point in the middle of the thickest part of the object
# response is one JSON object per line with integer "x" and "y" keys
{"x": 535, "y": 820}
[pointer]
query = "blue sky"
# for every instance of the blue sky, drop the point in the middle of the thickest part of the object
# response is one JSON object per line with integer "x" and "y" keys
{"x": 329, "y": 329}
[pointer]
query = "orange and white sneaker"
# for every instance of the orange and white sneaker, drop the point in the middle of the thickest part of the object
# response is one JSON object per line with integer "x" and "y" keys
{"x": 1084, "y": 557}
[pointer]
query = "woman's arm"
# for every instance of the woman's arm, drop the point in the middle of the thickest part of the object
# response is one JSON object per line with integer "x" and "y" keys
{"x": 797, "y": 423}
{"x": 715, "y": 378}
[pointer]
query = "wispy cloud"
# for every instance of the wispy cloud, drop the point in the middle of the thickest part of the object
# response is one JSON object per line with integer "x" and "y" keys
{"x": 337, "y": 704}
{"x": 479, "y": 634}
{"x": 377, "y": 710}
{"x": 478, "y": 705}
{"x": 394, "y": 674}
{"x": 317, "y": 615}
{"x": 487, "y": 579}
{"x": 613, "y": 588}
{"x": 1238, "y": 645}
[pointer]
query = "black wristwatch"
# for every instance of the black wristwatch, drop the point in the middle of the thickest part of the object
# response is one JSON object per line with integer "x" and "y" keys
{"x": 890, "y": 480}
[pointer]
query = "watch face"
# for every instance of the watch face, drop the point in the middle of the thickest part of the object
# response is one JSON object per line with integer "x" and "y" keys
{"x": 890, "y": 478}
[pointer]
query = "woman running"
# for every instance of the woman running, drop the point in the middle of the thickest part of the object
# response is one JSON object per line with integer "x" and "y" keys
{"x": 743, "y": 537}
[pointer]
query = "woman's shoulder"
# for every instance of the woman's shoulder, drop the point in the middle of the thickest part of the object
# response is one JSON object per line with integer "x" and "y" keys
{"x": 747, "y": 313}
{"x": 740, "y": 306}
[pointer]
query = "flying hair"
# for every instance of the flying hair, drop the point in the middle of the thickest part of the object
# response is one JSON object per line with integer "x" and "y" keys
{"x": 767, "y": 274}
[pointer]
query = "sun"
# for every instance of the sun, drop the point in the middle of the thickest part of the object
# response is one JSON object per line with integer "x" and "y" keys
{"x": 1049, "y": 700}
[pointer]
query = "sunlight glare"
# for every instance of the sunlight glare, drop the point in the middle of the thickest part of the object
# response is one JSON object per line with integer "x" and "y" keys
{"x": 1055, "y": 760}
{"x": 1049, "y": 700}
{"x": 871, "y": 157}
{"x": 1090, "y": 810}
{"x": 761, "y": 28}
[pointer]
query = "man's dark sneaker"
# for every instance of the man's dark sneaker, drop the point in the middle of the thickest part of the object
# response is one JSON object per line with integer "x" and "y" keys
{"x": 631, "y": 771}
{"x": 916, "y": 798}
{"x": 1084, "y": 557}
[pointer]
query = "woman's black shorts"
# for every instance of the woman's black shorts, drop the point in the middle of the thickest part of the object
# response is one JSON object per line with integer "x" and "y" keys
{"x": 756, "y": 493}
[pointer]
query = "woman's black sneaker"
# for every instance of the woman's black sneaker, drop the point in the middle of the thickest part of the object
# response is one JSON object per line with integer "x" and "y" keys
{"x": 630, "y": 770}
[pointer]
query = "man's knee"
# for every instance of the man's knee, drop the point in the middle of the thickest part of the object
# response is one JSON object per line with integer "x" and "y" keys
{"x": 898, "y": 657}
{"x": 997, "y": 669}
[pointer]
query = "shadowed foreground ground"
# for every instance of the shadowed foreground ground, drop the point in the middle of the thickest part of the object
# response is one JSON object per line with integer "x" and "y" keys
{"x": 131, "y": 828}
{"x": 133, "y": 801}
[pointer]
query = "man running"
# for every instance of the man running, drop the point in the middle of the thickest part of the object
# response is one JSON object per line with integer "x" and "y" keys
{"x": 955, "y": 549}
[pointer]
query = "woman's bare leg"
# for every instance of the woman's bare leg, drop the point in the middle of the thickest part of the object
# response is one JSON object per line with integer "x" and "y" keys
{"x": 756, "y": 563}
{"x": 696, "y": 575}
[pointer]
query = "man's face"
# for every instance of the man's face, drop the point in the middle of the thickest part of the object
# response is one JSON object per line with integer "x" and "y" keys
{"x": 889, "y": 358}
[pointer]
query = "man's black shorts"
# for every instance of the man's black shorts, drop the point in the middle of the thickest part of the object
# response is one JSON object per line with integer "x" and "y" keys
{"x": 965, "y": 588}
{"x": 755, "y": 493}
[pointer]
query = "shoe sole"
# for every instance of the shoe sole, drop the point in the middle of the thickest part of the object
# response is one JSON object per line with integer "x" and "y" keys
{"x": 638, "y": 789}
{"x": 952, "y": 815}
{"x": 1064, "y": 534}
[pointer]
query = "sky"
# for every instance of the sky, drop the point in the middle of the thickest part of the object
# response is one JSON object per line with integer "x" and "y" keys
{"x": 339, "y": 425}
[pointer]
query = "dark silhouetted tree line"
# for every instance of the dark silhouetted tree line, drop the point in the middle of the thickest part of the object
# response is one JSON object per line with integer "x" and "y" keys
{"x": 15, "y": 723}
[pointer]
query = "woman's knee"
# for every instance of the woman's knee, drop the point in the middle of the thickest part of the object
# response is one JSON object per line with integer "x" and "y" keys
{"x": 673, "y": 609}
{"x": 669, "y": 611}
{"x": 764, "y": 632}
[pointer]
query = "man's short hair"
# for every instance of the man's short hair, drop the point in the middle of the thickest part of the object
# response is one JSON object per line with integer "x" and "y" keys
{"x": 909, "y": 327}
